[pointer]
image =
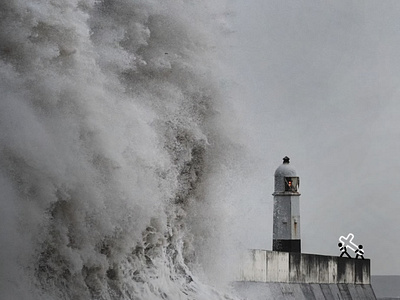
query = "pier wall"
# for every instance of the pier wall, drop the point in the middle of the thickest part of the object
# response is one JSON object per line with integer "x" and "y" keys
{"x": 266, "y": 274}
{"x": 273, "y": 266}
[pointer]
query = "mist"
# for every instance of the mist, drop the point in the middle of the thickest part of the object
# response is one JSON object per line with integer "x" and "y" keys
{"x": 114, "y": 143}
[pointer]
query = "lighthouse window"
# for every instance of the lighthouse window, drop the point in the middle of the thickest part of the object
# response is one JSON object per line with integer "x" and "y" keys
{"x": 291, "y": 184}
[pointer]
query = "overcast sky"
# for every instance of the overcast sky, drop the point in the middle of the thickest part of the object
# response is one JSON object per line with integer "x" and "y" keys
{"x": 321, "y": 83}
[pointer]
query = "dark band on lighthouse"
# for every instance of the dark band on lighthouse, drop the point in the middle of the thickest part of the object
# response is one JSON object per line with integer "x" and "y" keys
{"x": 286, "y": 227}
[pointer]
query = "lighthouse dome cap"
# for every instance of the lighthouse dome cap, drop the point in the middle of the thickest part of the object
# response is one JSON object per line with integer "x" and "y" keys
{"x": 285, "y": 169}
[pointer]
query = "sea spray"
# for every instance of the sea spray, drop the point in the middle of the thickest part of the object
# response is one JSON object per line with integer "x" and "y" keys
{"x": 111, "y": 152}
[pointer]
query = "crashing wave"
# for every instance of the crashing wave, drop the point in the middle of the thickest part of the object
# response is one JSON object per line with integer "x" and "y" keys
{"x": 109, "y": 148}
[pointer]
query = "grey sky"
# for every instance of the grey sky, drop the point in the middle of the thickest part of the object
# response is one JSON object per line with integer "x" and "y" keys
{"x": 321, "y": 83}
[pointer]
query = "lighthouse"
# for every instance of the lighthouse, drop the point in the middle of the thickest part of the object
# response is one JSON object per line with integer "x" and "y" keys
{"x": 286, "y": 227}
{"x": 263, "y": 274}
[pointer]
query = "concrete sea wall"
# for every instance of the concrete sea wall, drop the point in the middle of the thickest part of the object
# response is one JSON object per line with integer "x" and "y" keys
{"x": 273, "y": 266}
{"x": 266, "y": 274}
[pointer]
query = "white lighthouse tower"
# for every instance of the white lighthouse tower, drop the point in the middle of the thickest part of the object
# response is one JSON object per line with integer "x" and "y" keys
{"x": 286, "y": 228}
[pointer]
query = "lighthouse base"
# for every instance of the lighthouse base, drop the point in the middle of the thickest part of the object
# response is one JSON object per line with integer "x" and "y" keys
{"x": 286, "y": 245}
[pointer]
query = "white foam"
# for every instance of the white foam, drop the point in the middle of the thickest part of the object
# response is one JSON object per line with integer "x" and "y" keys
{"x": 110, "y": 150}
